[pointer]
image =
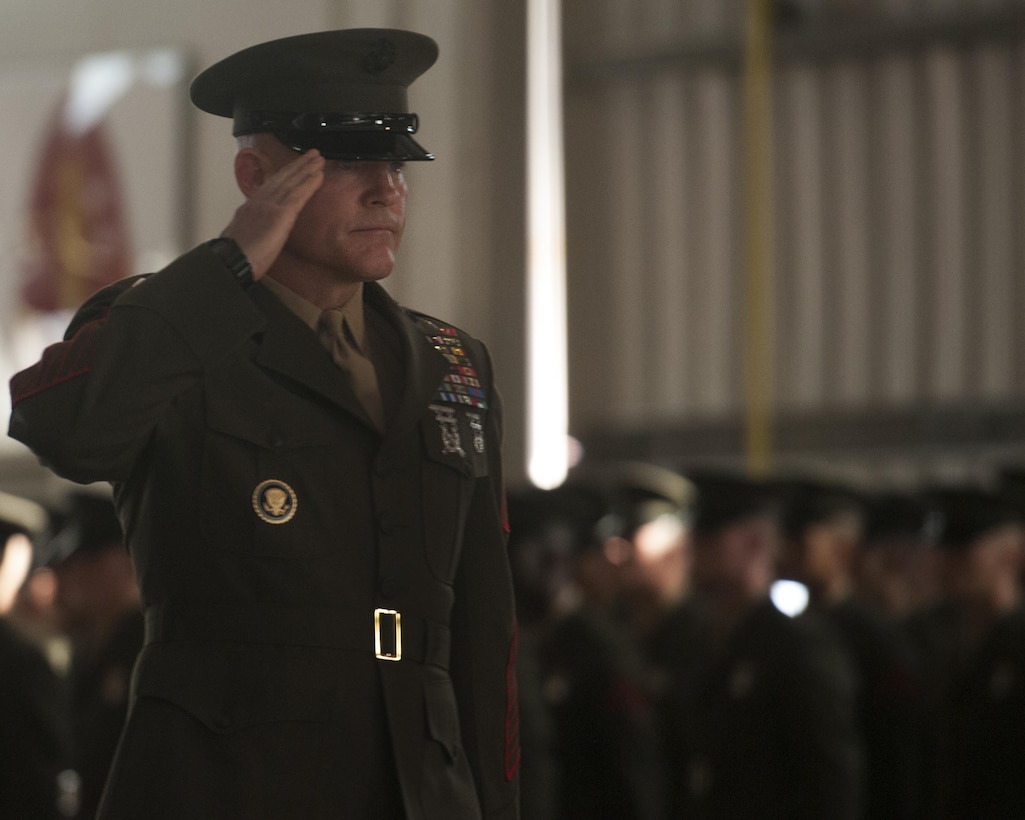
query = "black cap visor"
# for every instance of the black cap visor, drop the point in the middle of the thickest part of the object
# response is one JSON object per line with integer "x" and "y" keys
{"x": 375, "y": 146}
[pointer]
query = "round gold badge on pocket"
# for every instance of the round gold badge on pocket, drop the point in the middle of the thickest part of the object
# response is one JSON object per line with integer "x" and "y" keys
{"x": 274, "y": 501}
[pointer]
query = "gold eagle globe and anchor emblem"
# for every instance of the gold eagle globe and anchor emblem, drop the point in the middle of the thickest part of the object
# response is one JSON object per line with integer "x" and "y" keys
{"x": 275, "y": 501}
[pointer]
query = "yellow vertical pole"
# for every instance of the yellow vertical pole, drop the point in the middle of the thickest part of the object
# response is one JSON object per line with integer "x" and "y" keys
{"x": 759, "y": 246}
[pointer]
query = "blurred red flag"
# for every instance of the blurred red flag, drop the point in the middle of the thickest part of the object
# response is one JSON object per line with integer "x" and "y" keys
{"x": 78, "y": 241}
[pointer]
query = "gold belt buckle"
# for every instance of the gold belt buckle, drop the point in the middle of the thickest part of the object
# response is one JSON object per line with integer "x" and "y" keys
{"x": 392, "y": 617}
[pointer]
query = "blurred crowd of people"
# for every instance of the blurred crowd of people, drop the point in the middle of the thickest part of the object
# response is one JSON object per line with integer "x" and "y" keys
{"x": 70, "y": 629}
{"x": 701, "y": 644}
{"x": 692, "y": 644}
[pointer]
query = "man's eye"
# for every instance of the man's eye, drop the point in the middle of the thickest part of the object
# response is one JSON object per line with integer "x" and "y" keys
{"x": 397, "y": 167}
{"x": 345, "y": 164}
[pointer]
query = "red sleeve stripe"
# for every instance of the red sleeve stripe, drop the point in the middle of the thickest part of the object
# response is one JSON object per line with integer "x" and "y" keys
{"x": 59, "y": 363}
{"x": 504, "y": 511}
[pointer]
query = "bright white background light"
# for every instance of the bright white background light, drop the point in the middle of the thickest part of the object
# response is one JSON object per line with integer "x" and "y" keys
{"x": 789, "y": 597}
{"x": 547, "y": 390}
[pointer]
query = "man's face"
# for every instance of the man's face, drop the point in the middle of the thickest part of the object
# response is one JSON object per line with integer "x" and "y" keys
{"x": 973, "y": 574}
{"x": 352, "y": 225}
{"x": 82, "y": 580}
{"x": 720, "y": 560}
{"x": 661, "y": 555}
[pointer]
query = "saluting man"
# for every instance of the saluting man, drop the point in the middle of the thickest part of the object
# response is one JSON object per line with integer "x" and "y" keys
{"x": 307, "y": 473}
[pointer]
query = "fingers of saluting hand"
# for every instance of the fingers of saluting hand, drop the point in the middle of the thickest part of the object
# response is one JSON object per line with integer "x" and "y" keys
{"x": 263, "y": 222}
{"x": 293, "y": 184}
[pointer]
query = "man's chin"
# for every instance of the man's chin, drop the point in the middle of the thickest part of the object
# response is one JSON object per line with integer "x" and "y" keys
{"x": 379, "y": 269}
{"x": 378, "y": 274}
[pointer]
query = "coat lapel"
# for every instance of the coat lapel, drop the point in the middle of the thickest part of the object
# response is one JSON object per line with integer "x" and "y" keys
{"x": 291, "y": 349}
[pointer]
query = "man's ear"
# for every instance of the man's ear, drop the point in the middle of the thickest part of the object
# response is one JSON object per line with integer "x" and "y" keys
{"x": 251, "y": 168}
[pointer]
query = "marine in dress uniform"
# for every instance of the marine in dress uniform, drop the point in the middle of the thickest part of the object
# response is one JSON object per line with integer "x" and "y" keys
{"x": 758, "y": 711}
{"x": 330, "y": 626}
{"x": 35, "y": 719}
{"x": 972, "y": 650}
{"x": 98, "y": 608}
{"x": 823, "y": 523}
{"x": 603, "y": 745}
{"x": 895, "y": 567}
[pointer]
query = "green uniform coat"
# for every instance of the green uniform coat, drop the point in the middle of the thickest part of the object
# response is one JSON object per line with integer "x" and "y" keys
{"x": 268, "y": 520}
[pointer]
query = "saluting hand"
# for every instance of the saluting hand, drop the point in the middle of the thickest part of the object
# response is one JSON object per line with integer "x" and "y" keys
{"x": 261, "y": 225}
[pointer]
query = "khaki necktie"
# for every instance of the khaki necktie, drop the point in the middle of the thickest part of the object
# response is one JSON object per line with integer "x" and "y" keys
{"x": 338, "y": 338}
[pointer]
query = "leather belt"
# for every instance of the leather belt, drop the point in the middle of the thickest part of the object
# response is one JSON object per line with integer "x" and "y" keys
{"x": 385, "y": 633}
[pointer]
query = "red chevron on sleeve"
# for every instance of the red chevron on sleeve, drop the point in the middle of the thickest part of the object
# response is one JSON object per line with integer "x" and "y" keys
{"x": 59, "y": 363}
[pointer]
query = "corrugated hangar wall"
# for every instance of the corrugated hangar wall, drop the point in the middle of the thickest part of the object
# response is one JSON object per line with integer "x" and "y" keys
{"x": 898, "y": 191}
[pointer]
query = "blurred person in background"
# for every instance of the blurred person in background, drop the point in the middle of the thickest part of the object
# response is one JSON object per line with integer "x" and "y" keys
{"x": 545, "y": 529}
{"x": 602, "y": 741}
{"x": 646, "y": 535}
{"x": 895, "y": 564}
{"x": 1010, "y": 483}
{"x": 823, "y": 527}
{"x": 35, "y": 744}
{"x": 759, "y": 711}
{"x": 34, "y": 615}
{"x": 971, "y": 647}
{"x": 98, "y": 608}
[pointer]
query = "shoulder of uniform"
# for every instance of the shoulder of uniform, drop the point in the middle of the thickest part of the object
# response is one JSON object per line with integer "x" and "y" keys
{"x": 446, "y": 334}
{"x": 433, "y": 324}
{"x": 468, "y": 380}
{"x": 97, "y": 305}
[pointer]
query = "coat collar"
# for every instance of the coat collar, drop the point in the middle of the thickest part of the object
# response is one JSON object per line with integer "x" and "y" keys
{"x": 288, "y": 347}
